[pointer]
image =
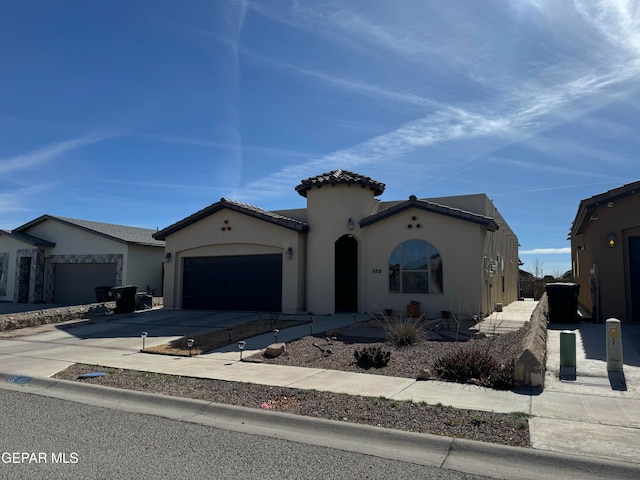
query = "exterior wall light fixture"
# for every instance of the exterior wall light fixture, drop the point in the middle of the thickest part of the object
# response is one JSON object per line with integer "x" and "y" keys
{"x": 350, "y": 224}
{"x": 167, "y": 257}
{"x": 289, "y": 253}
{"x": 611, "y": 240}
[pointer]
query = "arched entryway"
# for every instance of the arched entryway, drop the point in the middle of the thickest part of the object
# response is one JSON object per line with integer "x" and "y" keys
{"x": 346, "y": 274}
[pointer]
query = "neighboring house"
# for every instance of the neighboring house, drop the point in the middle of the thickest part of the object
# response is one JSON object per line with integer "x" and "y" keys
{"x": 605, "y": 250}
{"x": 346, "y": 251}
{"x": 61, "y": 260}
{"x": 526, "y": 281}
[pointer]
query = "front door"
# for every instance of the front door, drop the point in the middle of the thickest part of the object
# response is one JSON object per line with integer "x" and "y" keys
{"x": 346, "y": 274}
{"x": 24, "y": 278}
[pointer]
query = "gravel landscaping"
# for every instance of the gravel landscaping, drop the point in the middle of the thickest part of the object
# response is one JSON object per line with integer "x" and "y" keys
{"x": 407, "y": 361}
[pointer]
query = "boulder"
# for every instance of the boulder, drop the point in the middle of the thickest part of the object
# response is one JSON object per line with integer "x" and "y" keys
{"x": 274, "y": 350}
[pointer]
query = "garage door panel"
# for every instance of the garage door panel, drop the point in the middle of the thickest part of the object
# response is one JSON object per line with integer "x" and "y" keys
{"x": 75, "y": 283}
{"x": 237, "y": 282}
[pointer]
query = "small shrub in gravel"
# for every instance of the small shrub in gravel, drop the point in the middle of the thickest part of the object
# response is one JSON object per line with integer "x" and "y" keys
{"x": 372, "y": 357}
{"x": 475, "y": 365}
{"x": 403, "y": 331}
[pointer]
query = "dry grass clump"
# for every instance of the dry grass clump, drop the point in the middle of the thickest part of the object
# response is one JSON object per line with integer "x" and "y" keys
{"x": 476, "y": 365}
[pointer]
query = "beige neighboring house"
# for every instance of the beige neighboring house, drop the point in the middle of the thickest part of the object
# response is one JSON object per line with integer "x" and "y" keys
{"x": 345, "y": 252}
{"x": 61, "y": 260}
{"x": 605, "y": 250}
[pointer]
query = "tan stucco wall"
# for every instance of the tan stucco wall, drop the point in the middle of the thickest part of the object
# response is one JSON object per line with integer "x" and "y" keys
{"x": 460, "y": 245}
{"x": 612, "y": 291}
{"x": 75, "y": 241}
{"x": 248, "y": 236}
{"x": 328, "y": 211}
{"x": 10, "y": 245}
{"x": 476, "y": 203}
{"x": 501, "y": 248}
{"x": 144, "y": 267}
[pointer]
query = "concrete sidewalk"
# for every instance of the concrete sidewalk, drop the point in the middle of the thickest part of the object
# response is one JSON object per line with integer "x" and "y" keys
{"x": 591, "y": 416}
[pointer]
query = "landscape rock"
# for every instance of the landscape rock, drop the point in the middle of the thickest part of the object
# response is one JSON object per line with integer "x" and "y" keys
{"x": 424, "y": 374}
{"x": 274, "y": 350}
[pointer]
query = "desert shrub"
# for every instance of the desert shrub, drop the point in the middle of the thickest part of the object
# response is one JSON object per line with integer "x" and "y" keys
{"x": 403, "y": 331}
{"x": 368, "y": 357}
{"x": 475, "y": 365}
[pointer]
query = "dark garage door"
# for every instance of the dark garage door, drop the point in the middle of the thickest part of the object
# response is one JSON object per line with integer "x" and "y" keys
{"x": 237, "y": 282}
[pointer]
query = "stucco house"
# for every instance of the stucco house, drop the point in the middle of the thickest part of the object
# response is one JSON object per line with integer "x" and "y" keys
{"x": 605, "y": 251}
{"x": 61, "y": 260}
{"x": 346, "y": 251}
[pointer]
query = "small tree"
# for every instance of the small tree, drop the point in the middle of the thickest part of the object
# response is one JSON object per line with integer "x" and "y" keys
{"x": 538, "y": 268}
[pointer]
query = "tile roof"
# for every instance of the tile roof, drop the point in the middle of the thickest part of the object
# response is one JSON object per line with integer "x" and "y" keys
{"x": 244, "y": 208}
{"x": 414, "y": 202}
{"x": 28, "y": 239}
{"x": 340, "y": 177}
{"x": 121, "y": 233}
{"x": 588, "y": 206}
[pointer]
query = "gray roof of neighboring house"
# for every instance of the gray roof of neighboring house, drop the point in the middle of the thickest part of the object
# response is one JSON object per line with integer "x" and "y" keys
{"x": 120, "y": 233}
{"x": 588, "y": 206}
{"x": 239, "y": 207}
{"x": 28, "y": 239}
{"x": 340, "y": 177}
{"x": 413, "y": 202}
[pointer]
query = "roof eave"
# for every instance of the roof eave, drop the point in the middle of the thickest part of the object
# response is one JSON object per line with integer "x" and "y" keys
{"x": 487, "y": 222}
{"x": 224, "y": 204}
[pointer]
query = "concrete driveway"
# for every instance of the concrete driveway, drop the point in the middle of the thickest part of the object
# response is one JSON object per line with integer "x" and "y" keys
{"x": 47, "y": 349}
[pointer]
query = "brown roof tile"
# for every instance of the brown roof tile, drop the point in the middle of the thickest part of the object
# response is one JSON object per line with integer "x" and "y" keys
{"x": 240, "y": 207}
{"x": 340, "y": 177}
{"x": 413, "y": 202}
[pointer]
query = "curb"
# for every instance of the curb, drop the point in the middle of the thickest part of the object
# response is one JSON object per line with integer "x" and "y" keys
{"x": 449, "y": 453}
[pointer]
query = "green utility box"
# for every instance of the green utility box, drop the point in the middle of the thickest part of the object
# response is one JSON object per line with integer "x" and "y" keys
{"x": 567, "y": 355}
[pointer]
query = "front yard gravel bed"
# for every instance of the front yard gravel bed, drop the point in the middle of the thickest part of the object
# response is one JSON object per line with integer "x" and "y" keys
{"x": 335, "y": 350}
{"x": 506, "y": 429}
{"x": 406, "y": 361}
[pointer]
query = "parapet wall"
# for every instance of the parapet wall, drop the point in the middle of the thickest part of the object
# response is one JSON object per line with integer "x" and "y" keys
{"x": 530, "y": 367}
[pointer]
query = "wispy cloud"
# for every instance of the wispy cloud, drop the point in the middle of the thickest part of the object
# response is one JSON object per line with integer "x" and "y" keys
{"x": 522, "y": 112}
{"x": 351, "y": 85}
{"x": 546, "y": 251}
{"x": 197, "y": 142}
{"x": 562, "y": 187}
{"x": 16, "y": 202}
{"x": 50, "y": 152}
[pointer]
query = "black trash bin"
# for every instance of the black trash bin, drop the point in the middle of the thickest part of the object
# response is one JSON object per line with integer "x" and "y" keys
{"x": 563, "y": 302}
{"x": 103, "y": 294}
{"x": 125, "y": 297}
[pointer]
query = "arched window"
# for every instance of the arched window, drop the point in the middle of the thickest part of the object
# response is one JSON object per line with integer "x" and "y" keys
{"x": 415, "y": 266}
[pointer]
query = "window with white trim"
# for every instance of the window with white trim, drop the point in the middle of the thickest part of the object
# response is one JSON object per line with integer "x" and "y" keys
{"x": 415, "y": 266}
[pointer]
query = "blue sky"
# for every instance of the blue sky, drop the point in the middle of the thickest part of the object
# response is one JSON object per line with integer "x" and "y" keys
{"x": 143, "y": 112}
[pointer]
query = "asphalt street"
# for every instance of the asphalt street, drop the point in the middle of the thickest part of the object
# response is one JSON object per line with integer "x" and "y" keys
{"x": 88, "y": 442}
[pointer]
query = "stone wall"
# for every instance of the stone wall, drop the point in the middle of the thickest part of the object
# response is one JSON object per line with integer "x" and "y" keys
{"x": 33, "y": 318}
{"x": 530, "y": 367}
